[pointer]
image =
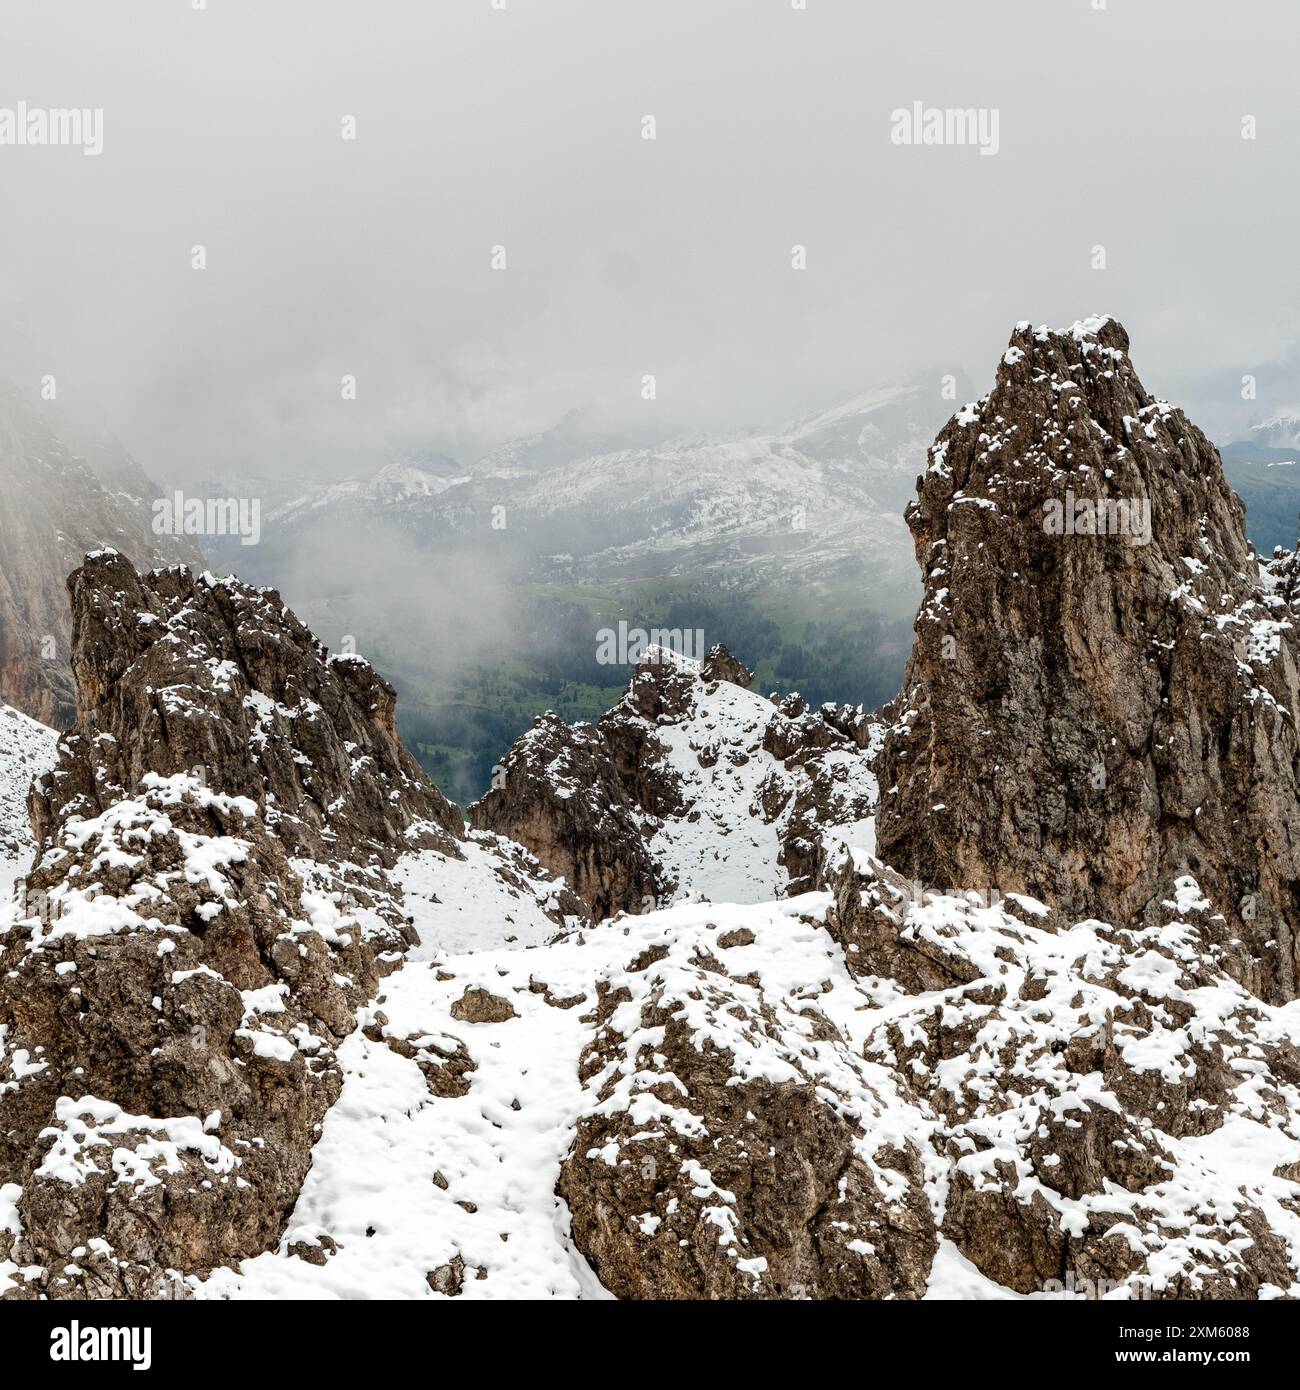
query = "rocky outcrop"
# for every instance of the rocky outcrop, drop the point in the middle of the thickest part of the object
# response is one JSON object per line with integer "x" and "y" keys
{"x": 740, "y": 1104}
{"x": 560, "y": 795}
{"x": 1075, "y": 1075}
{"x": 691, "y": 783}
{"x": 733, "y": 1146}
{"x": 178, "y": 672}
{"x": 1103, "y": 690}
{"x": 1069, "y": 1107}
{"x": 57, "y": 506}
{"x": 209, "y": 907}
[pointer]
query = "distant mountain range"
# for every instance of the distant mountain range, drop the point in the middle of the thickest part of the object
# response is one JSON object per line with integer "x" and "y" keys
{"x": 820, "y": 502}
{"x": 791, "y": 542}
{"x": 1280, "y": 431}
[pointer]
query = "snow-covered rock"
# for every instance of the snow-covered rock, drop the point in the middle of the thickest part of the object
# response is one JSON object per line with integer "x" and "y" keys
{"x": 722, "y": 1100}
{"x": 692, "y": 784}
{"x": 215, "y": 895}
{"x": 1279, "y": 431}
{"x": 26, "y": 751}
{"x": 1104, "y": 688}
{"x": 1106, "y": 1101}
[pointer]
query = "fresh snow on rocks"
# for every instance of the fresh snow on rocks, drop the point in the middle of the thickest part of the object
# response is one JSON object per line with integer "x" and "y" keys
{"x": 692, "y": 784}
{"x": 26, "y": 751}
{"x": 1075, "y": 1098}
{"x": 667, "y": 1021}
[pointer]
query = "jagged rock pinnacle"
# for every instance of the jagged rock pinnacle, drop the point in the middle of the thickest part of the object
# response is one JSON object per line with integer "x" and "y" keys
{"x": 1103, "y": 687}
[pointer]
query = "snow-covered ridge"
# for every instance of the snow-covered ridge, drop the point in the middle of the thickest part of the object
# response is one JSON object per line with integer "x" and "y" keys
{"x": 692, "y": 785}
{"x": 1280, "y": 430}
{"x": 727, "y": 841}
{"x": 395, "y": 485}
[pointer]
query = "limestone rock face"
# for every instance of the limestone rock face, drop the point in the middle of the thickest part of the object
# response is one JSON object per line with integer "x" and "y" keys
{"x": 209, "y": 906}
{"x": 1103, "y": 690}
{"x": 184, "y": 673}
{"x": 56, "y": 506}
{"x": 691, "y": 783}
{"x": 562, "y": 797}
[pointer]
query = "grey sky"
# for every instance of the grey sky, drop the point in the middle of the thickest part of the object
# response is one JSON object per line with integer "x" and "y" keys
{"x": 522, "y": 127}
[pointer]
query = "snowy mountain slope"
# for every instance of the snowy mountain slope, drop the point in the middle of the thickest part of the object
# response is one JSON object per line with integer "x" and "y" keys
{"x": 405, "y": 1183}
{"x": 692, "y": 784}
{"x": 714, "y": 504}
{"x": 1150, "y": 1174}
{"x": 503, "y": 1161}
{"x": 494, "y": 895}
{"x": 752, "y": 776}
{"x": 1279, "y": 431}
{"x": 26, "y": 751}
{"x": 396, "y": 485}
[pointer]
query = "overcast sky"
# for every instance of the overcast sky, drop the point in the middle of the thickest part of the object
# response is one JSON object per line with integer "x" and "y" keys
{"x": 475, "y": 127}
